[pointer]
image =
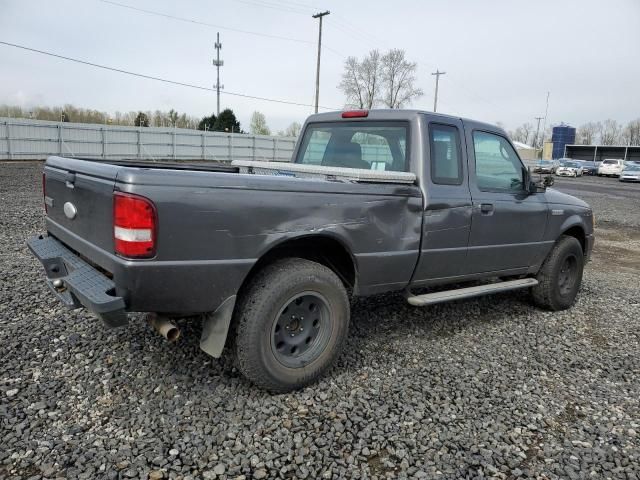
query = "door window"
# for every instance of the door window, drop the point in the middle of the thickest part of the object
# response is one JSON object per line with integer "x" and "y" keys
{"x": 498, "y": 167}
{"x": 446, "y": 161}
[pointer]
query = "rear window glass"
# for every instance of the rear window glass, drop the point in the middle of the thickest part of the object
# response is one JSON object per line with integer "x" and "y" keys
{"x": 369, "y": 146}
{"x": 610, "y": 162}
{"x": 446, "y": 164}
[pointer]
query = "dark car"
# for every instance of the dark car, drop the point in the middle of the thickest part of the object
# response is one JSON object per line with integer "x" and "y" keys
{"x": 268, "y": 253}
{"x": 588, "y": 167}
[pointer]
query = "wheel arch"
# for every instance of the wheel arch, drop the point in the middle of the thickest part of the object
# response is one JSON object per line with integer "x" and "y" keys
{"x": 577, "y": 231}
{"x": 323, "y": 248}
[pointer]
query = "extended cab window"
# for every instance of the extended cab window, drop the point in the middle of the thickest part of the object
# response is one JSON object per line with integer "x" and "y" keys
{"x": 366, "y": 145}
{"x": 446, "y": 162}
{"x": 498, "y": 166}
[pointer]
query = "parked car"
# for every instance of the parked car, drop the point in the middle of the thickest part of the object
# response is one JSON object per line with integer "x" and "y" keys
{"x": 569, "y": 169}
{"x": 266, "y": 253}
{"x": 631, "y": 173}
{"x": 545, "y": 166}
{"x": 611, "y": 167}
{"x": 588, "y": 167}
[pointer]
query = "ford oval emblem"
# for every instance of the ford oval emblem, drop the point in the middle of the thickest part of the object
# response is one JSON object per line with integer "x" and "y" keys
{"x": 70, "y": 210}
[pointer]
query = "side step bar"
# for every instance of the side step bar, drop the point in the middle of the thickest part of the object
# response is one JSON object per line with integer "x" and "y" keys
{"x": 459, "y": 293}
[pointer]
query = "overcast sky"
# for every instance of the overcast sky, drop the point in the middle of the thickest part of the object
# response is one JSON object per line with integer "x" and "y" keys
{"x": 501, "y": 56}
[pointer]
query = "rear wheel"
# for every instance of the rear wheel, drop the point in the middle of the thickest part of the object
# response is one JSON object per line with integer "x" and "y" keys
{"x": 292, "y": 321}
{"x": 560, "y": 275}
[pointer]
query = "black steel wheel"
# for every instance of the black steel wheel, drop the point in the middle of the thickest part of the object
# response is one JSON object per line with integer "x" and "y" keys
{"x": 560, "y": 275}
{"x": 301, "y": 329}
{"x": 291, "y": 322}
{"x": 567, "y": 275}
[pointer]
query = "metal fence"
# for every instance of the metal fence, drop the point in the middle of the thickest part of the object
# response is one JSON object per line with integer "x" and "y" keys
{"x": 25, "y": 139}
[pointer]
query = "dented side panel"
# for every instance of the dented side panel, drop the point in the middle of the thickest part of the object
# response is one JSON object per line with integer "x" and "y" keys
{"x": 219, "y": 217}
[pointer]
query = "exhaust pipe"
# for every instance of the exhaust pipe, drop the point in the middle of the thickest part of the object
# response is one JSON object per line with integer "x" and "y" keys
{"x": 164, "y": 327}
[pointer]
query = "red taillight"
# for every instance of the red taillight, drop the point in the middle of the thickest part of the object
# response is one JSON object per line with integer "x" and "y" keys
{"x": 44, "y": 192}
{"x": 134, "y": 226}
{"x": 355, "y": 113}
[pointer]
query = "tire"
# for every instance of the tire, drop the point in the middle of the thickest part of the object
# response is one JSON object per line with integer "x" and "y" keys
{"x": 272, "y": 348}
{"x": 560, "y": 275}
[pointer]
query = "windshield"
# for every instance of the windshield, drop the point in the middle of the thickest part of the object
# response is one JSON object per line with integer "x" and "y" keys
{"x": 370, "y": 145}
{"x": 571, "y": 164}
{"x": 545, "y": 162}
{"x": 632, "y": 166}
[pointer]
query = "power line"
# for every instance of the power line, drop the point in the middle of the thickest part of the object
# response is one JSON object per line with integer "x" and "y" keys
{"x": 212, "y": 25}
{"x": 159, "y": 79}
{"x": 205, "y": 24}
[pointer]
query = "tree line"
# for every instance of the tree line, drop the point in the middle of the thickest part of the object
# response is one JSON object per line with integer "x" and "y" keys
{"x": 225, "y": 122}
{"x": 608, "y": 132}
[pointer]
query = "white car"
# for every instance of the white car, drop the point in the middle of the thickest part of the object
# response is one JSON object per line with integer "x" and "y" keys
{"x": 611, "y": 167}
{"x": 569, "y": 169}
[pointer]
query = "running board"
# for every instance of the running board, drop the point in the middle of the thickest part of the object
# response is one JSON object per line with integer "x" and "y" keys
{"x": 459, "y": 293}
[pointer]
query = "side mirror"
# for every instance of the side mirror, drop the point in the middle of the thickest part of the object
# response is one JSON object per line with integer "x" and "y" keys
{"x": 539, "y": 186}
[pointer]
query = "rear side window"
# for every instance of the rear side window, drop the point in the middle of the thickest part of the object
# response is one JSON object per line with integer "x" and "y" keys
{"x": 364, "y": 145}
{"x": 446, "y": 160}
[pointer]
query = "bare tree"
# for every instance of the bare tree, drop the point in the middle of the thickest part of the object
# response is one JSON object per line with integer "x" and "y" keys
{"x": 293, "y": 130}
{"x": 361, "y": 80}
{"x": 631, "y": 133}
{"x": 522, "y": 133}
{"x": 527, "y": 130}
{"x": 398, "y": 78}
{"x": 587, "y": 133}
{"x": 610, "y": 132}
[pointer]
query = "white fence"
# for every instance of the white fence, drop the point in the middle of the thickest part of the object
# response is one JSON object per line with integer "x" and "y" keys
{"x": 24, "y": 139}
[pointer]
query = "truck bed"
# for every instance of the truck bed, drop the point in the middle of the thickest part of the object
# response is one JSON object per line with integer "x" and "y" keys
{"x": 214, "y": 223}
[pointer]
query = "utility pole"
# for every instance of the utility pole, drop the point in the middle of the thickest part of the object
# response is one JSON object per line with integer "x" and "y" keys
{"x": 218, "y": 63}
{"x": 535, "y": 139}
{"x": 319, "y": 16}
{"x": 437, "y": 73}
{"x": 544, "y": 124}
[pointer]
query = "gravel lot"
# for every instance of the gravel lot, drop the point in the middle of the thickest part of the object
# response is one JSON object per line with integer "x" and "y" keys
{"x": 490, "y": 387}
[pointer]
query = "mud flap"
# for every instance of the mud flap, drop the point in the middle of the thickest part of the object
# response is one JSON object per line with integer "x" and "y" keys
{"x": 215, "y": 327}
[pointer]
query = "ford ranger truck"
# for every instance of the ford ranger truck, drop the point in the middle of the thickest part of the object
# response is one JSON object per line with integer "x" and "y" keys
{"x": 267, "y": 254}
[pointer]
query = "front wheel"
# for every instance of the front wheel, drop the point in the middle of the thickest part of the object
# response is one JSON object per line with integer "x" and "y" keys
{"x": 292, "y": 321}
{"x": 560, "y": 275}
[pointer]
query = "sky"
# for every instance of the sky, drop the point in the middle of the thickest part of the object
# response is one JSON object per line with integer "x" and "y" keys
{"x": 501, "y": 57}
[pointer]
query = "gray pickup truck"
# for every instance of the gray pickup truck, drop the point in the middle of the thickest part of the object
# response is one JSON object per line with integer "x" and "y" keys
{"x": 267, "y": 254}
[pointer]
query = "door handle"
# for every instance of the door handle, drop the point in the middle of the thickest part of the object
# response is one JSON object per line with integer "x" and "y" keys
{"x": 486, "y": 208}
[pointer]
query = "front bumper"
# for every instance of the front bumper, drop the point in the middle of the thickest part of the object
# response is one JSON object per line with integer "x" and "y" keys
{"x": 76, "y": 283}
{"x": 625, "y": 178}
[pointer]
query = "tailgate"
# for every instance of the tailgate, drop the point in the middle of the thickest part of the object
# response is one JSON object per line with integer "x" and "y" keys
{"x": 79, "y": 198}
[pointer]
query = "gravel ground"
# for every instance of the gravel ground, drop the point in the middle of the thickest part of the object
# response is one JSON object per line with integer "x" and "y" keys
{"x": 490, "y": 387}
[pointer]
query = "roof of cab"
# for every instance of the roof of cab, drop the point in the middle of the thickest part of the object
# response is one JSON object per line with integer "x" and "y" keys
{"x": 397, "y": 114}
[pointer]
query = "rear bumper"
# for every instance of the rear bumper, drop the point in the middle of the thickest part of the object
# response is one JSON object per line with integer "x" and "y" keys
{"x": 76, "y": 283}
{"x": 163, "y": 286}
